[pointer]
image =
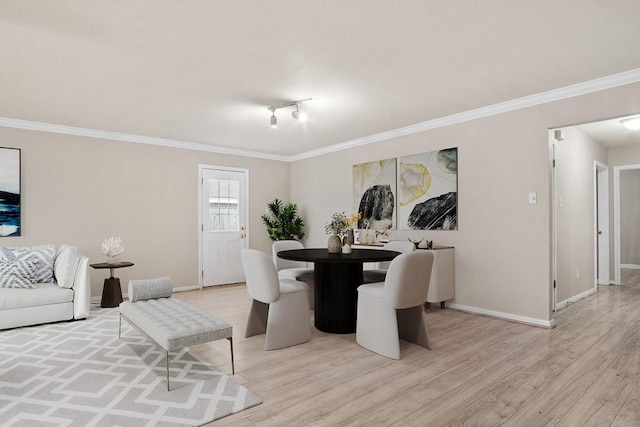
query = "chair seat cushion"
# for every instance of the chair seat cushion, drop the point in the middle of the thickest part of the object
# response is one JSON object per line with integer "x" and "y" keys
{"x": 288, "y": 286}
{"x": 296, "y": 273}
{"x": 373, "y": 289}
{"x": 373, "y": 276}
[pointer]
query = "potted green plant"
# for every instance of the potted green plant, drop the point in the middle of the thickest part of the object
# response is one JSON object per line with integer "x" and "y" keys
{"x": 282, "y": 221}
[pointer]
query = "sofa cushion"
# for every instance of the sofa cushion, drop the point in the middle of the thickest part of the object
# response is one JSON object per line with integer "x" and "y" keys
{"x": 18, "y": 274}
{"x": 42, "y": 294}
{"x": 66, "y": 265}
{"x": 43, "y": 254}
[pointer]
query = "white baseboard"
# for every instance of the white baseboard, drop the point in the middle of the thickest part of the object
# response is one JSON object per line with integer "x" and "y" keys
{"x": 504, "y": 316}
{"x": 634, "y": 266}
{"x": 611, "y": 282}
{"x": 575, "y": 298}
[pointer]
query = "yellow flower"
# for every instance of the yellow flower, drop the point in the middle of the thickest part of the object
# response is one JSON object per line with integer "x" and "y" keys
{"x": 353, "y": 219}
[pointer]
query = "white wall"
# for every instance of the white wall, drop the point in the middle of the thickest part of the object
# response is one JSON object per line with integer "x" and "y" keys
{"x": 79, "y": 191}
{"x": 503, "y": 242}
{"x": 575, "y": 157}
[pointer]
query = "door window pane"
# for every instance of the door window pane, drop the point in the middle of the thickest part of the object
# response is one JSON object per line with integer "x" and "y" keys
{"x": 223, "y": 205}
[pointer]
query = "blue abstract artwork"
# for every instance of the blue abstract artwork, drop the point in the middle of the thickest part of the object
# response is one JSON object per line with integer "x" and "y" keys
{"x": 9, "y": 192}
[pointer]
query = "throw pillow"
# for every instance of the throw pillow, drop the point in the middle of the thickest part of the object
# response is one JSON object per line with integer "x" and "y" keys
{"x": 66, "y": 265}
{"x": 145, "y": 289}
{"x": 44, "y": 255}
{"x": 18, "y": 274}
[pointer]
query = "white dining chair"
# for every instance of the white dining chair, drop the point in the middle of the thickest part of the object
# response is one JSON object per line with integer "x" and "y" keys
{"x": 279, "y": 307}
{"x": 392, "y": 310}
{"x": 378, "y": 274}
{"x": 295, "y": 270}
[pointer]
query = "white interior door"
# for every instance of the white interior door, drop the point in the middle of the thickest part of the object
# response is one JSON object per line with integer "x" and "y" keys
{"x": 223, "y": 208}
{"x": 602, "y": 224}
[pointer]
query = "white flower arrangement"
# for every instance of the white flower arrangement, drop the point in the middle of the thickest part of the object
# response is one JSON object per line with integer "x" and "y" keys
{"x": 112, "y": 247}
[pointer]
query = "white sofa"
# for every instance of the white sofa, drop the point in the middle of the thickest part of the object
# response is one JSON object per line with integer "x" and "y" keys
{"x": 62, "y": 288}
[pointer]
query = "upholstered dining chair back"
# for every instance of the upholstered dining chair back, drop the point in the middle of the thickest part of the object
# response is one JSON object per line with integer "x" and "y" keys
{"x": 392, "y": 310}
{"x": 261, "y": 276}
{"x": 407, "y": 281}
{"x": 398, "y": 246}
{"x": 380, "y": 273}
{"x": 285, "y": 245}
{"x": 296, "y": 270}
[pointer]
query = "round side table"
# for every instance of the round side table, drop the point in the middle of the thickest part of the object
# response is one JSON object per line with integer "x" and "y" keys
{"x": 111, "y": 291}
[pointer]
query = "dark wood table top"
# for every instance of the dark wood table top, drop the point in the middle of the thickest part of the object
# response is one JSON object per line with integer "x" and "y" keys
{"x": 323, "y": 255}
{"x": 120, "y": 264}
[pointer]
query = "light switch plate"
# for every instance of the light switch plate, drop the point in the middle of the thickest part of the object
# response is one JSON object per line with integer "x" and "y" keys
{"x": 533, "y": 198}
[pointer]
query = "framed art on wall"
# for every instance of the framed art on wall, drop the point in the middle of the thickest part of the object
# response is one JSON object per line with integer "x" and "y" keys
{"x": 428, "y": 190}
{"x": 9, "y": 192}
{"x": 374, "y": 189}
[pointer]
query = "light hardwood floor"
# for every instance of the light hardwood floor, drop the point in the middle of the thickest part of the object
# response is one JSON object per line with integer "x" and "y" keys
{"x": 481, "y": 371}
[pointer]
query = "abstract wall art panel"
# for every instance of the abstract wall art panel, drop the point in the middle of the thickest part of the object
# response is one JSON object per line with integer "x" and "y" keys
{"x": 9, "y": 192}
{"x": 374, "y": 189}
{"x": 428, "y": 190}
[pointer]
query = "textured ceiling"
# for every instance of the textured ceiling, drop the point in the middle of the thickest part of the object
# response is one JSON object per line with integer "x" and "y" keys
{"x": 206, "y": 71}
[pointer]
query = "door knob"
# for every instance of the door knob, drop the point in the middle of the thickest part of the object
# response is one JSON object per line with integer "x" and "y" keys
{"x": 242, "y": 235}
{"x": 600, "y": 232}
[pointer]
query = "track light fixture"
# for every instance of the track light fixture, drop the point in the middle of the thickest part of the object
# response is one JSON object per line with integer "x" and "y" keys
{"x": 297, "y": 114}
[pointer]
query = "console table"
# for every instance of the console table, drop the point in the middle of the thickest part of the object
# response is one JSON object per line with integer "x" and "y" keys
{"x": 111, "y": 291}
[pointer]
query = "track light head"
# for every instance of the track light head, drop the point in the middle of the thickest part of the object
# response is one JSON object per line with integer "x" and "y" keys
{"x": 274, "y": 119}
{"x": 299, "y": 115}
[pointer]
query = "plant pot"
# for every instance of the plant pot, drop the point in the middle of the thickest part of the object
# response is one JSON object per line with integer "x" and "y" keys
{"x": 334, "y": 244}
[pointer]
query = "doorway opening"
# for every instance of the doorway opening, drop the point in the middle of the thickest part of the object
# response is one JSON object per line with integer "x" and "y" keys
{"x": 624, "y": 204}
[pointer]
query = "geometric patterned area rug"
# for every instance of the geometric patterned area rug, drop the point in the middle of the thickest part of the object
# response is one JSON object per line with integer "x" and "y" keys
{"x": 80, "y": 374}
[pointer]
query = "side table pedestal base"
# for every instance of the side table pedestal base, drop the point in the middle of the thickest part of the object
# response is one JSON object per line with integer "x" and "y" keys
{"x": 111, "y": 293}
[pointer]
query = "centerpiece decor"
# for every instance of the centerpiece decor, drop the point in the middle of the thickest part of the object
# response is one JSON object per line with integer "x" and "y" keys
{"x": 337, "y": 228}
{"x": 112, "y": 247}
{"x": 352, "y": 222}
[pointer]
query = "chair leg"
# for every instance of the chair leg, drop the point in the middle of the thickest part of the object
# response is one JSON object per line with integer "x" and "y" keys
{"x": 289, "y": 321}
{"x": 167, "y": 357}
{"x": 233, "y": 368}
{"x": 377, "y": 327}
{"x": 257, "y": 321}
{"x": 412, "y": 327}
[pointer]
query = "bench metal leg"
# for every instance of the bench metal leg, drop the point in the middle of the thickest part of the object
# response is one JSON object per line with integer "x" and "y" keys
{"x": 233, "y": 368}
{"x": 167, "y": 371}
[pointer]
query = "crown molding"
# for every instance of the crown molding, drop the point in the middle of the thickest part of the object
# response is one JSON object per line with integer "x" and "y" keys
{"x": 578, "y": 89}
{"x": 139, "y": 139}
{"x": 590, "y": 86}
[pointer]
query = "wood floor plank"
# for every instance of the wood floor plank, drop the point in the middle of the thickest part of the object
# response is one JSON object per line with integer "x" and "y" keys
{"x": 481, "y": 371}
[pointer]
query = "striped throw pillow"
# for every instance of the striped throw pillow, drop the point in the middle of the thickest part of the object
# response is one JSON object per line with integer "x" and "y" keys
{"x": 43, "y": 255}
{"x": 18, "y": 274}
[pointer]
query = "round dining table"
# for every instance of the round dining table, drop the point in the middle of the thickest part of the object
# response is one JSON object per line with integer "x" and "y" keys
{"x": 336, "y": 279}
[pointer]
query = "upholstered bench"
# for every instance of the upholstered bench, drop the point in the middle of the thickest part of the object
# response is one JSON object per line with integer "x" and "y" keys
{"x": 171, "y": 324}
